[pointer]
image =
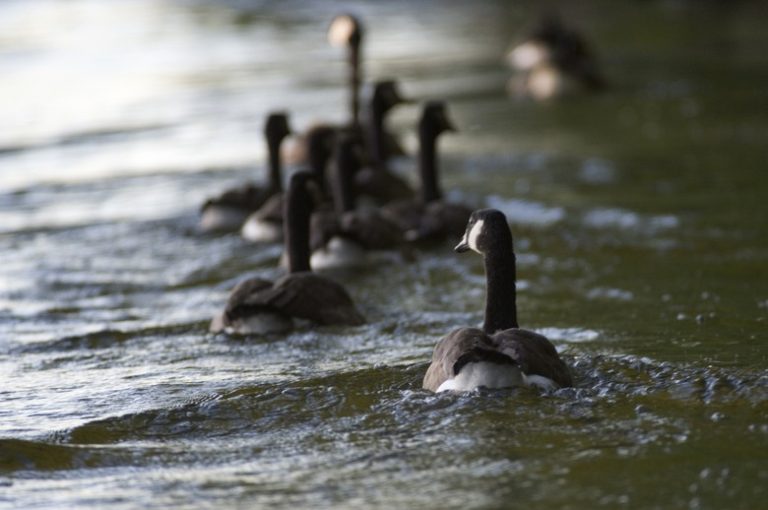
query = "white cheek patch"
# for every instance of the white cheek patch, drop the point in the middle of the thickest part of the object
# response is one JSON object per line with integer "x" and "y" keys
{"x": 341, "y": 30}
{"x": 473, "y": 234}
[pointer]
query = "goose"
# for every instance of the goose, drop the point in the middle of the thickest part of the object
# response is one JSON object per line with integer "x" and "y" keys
{"x": 347, "y": 31}
{"x": 500, "y": 354}
{"x": 376, "y": 180}
{"x": 228, "y": 211}
{"x": 343, "y": 237}
{"x": 266, "y": 224}
{"x": 258, "y": 306}
{"x": 429, "y": 217}
{"x": 553, "y": 61}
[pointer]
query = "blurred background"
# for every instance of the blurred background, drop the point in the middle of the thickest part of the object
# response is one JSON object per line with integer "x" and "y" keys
{"x": 639, "y": 215}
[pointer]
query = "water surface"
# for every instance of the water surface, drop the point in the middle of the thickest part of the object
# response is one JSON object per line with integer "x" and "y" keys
{"x": 639, "y": 220}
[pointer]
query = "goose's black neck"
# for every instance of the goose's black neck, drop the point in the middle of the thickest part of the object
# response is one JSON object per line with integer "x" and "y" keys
{"x": 343, "y": 179}
{"x": 500, "y": 292}
{"x": 318, "y": 148}
{"x": 430, "y": 186}
{"x": 296, "y": 216}
{"x": 275, "y": 167}
{"x": 354, "y": 80}
{"x": 379, "y": 145}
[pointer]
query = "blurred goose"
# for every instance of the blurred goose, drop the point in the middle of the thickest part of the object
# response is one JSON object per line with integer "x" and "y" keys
{"x": 257, "y": 306}
{"x": 553, "y": 61}
{"x": 229, "y": 210}
{"x": 266, "y": 224}
{"x": 376, "y": 180}
{"x": 501, "y": 354}
{"x": 429, "y": 217}
{"x": 345, "y": 30}
{"x": 342, "y": 238}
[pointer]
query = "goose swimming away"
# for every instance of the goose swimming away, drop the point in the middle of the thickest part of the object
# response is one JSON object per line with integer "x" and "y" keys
{"x": 429, "y": 217}
{"x": 266, "y": 224}
{"x": 343, "y": 237}
{"x": 377, "y": 180}
{"x": 229, "y": 211}
{"x": 346, "y": 30}
{"x": 258, "y": 306}
{"x": 501, "y": 354}
{"x": 553, "y": 61}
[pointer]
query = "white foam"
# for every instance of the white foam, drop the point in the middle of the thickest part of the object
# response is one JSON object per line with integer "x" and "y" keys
{"x": 570, "y": 335}
{"x": 526, "y": 212}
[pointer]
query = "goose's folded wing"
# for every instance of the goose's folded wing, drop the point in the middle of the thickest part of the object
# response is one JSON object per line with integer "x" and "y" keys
{"x": 534, "y": 353}
{"x": 456, "y": 349}
{"x": 371, "y": 229}
{"x": 241, "y": 299}
{"x": 310, "y": 296}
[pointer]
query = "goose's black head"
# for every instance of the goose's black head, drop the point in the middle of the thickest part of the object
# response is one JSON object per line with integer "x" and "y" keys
{"x": 304, "y": 189}
{"x": 487, "y": 231}
{"x": 276, "y": 127}
{"x": 550, "y": 29}
{"x": 386, "y": 95}
{"x": 434, "y": 118}
{"x": 345, "y": 30}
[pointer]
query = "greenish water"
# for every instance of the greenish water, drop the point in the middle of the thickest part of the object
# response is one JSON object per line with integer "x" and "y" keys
{"x": 639, "y": 218}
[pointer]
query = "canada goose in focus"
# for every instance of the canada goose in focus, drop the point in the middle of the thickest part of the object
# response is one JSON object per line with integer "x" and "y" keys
{"x": 553, "y": 61}
{"x": 501, "y": 354}
{"x": 229, "y": 210}
{"x": 343, "y": 237}
{"x": 257, "y": 306}
{"x": 377, "y": 180}
{"x": 429, "y": 217}
{"x": 266, "y": 224}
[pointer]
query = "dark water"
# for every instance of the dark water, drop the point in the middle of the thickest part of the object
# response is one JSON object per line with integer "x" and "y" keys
{"x": 639, "y": 216}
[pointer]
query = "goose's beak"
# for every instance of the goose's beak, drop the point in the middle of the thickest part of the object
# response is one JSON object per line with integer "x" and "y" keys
{"x": 461, "y": 247}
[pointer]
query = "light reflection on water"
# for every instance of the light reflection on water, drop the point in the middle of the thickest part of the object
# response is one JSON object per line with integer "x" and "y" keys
{"x": 638, "y": 256}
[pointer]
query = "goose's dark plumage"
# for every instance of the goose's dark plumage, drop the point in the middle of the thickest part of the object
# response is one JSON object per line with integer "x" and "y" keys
{"x": 343, "y": 236}
{"x": 553, "y": 60}
{"x": 501, "y": 354}
{"x": 266, "y": 224}
{"x": 229, "y": 210}
{"x": 429, "y": 217}
{"x": 259, "y": 306}
{"x": 347, "y": 30}
{"x": 376, "y": 179}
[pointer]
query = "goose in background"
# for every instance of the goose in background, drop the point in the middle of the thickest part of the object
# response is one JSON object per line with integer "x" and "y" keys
{"x": 343, "y": 237}
{"x": 500, "y": 354}
{"x": 229, "y": 211}
{"x": 553, "y": 61}
{"x": 377, "y": 180}
{"x": 429, "y": 217}
{"x": 258, "y": 306}
{"x": 266, "y": 224}
{"x": 347, "y": 31}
